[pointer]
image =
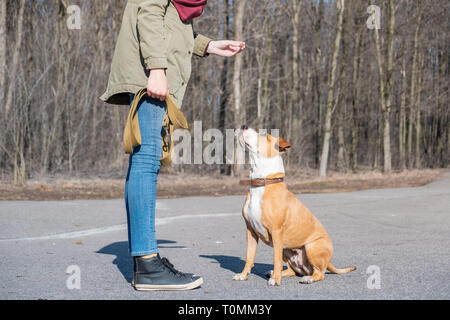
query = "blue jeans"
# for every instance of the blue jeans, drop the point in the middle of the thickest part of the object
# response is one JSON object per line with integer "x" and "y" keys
{"x": 140, "y": 186}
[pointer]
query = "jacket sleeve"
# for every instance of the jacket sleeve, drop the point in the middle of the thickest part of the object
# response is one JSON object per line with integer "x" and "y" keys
{"x": 200, "y": 44}
{"x": 150, "y": 25}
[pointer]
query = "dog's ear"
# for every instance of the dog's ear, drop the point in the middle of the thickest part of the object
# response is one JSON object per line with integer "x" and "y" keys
{"x": 283, "y": 145}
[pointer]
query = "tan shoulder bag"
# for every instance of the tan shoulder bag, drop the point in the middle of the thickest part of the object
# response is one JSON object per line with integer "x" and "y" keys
{"x": 173, "y": 119}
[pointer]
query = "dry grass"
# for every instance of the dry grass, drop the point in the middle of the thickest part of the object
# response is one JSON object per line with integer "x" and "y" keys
{"x": 185, "y": 185}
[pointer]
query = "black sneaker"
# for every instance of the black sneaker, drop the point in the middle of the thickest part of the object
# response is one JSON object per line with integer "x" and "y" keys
{"x": 159, "y": 274}
{"x": 169, "y": 265}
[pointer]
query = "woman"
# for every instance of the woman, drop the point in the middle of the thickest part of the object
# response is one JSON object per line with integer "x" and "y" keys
{"x": 154, "y": 49}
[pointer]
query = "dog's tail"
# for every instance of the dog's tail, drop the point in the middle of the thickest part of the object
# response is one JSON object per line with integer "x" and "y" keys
{"x": 332, "y": 269}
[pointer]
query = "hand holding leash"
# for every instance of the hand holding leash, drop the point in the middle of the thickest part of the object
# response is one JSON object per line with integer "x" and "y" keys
{"x": 157, "y": 84}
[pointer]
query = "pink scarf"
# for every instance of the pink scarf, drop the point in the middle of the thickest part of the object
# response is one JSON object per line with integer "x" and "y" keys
{"x": 189, "y": 9}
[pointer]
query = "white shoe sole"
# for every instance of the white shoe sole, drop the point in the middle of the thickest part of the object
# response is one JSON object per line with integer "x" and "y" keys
{"x": 179, "y": 287}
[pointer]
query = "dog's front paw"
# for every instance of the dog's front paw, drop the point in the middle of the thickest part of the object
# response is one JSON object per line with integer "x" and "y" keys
{"x": 240, "y": 276}
{"x": 274, "y": 281}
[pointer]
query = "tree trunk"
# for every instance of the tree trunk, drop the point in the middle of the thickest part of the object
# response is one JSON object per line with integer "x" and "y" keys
{"x": 387, "y": 164}
{"x": 15, "y": 57}
{"x": 2, "y": 48}
{"x": 316, "y": 96}
{"x": 402, "y": 119}
{"x": 341, "y": 163}
{"x": 224, "y": 90}
{"x": 239, "y": 112}
{"x": 385, "y": 85}
{"x": 269, "y": 26}
{"x": 19, "y": 169}
{"x": 443, "y": 121}
{"x": 117, "y": 120}
{"x": 412, "y": 94}
{"x": 296, "y": 5}
{"x": 331, "y": 84}
{"x": 101, "y": 8}
{"x": 418, "y": 115}
{"x": 355, "y": 101}
{"x": 341, "y": 97}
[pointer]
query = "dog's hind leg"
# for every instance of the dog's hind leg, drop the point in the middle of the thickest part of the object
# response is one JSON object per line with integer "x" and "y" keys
{"x": 319, "y": 254}
{"x": 316, "y": 276}
{"x": 289, "y": 272}
{"x": 286, "y": 273}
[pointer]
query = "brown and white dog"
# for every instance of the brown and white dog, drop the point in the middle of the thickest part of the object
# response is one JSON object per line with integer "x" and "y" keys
{"x": 273, "y": 214}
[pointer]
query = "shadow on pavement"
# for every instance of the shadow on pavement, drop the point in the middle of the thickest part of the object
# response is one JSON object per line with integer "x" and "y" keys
{"x": 123, "y": 258}
{"x": 236, "y": 264}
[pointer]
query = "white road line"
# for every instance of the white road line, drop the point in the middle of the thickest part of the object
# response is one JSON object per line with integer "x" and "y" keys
{"x": 161, "y": 206}
{"x": 94, "y": 231}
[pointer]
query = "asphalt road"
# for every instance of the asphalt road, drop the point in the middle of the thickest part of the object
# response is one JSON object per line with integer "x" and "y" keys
{"x": 404, "y": 233}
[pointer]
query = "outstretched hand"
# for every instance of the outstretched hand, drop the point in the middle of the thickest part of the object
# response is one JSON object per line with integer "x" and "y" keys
{"x": 225, "y": 48}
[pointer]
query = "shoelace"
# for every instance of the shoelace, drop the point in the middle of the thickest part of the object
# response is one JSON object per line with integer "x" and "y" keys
{"x": 171, "y": 267}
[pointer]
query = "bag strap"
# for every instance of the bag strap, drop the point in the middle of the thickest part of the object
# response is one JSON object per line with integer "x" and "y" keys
{"x": 175, "y": 115}
{"x": 132, "y": 133}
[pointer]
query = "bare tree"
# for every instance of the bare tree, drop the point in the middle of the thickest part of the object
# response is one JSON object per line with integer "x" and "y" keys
{"x": 402, "y": 118}
{"x": 385, "y": 84}
{"x": 331, "y": 86}
{"x": 316, "y": 81}
{"x": 224, "y": 83}
{"x": 312, "y": 79}
{"x": 15, "y": 57}
{"x": 239, "y": 112}
{"x": 2, "y": 48}
{"x": 413, "y": 84}
{"x": 356, "y": 82}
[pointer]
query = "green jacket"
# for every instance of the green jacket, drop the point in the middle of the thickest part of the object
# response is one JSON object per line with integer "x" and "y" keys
{"x": 151, "y": 36}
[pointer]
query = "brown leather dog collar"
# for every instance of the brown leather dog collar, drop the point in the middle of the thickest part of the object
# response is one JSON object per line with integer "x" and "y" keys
{"x": 260, "y": 182}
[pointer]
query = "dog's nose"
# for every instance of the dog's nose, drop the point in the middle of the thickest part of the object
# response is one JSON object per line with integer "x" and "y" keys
{"x": 244, "y": 127}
